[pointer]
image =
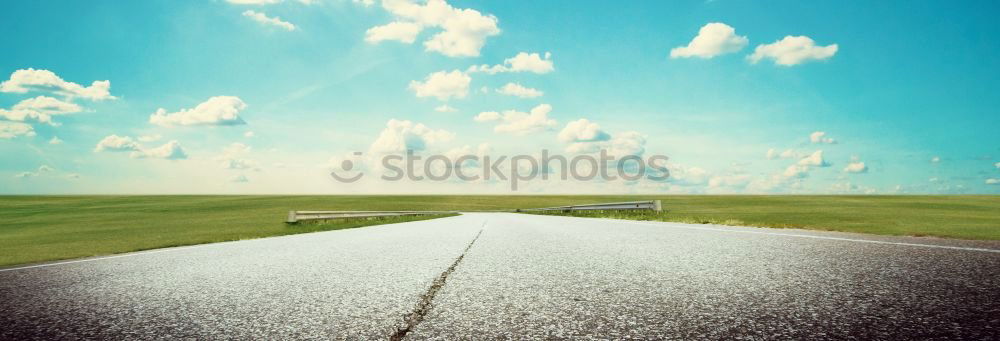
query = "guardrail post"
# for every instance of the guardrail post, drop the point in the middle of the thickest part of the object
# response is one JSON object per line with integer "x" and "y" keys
{"x": 292, "y": 218}
{"x": 657, "y": 206}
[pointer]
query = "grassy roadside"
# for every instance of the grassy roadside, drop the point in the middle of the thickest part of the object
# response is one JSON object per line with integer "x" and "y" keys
{"x": 37, "y": 229}
{"x": 961, "y": 217}
{"x": 77, "y": 245}
{"x": 43, "y": 228}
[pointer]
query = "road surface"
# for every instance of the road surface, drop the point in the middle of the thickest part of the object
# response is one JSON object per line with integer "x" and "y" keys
{"x": 497, "y": 275}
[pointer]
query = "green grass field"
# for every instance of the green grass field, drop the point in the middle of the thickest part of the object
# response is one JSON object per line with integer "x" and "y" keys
{"x": 44, "y": 228}
{"x": 961, "y": 217}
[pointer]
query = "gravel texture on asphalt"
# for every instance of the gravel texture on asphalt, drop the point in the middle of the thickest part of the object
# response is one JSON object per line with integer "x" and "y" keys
{"x": 354, "y": 283}
{"x": 523, "y": 277}
{"x": 559, "y": 277}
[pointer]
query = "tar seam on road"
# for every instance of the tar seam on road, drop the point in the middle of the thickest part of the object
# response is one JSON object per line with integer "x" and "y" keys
{"x": 829, "y": 238}
{"x": 424, "y": 305}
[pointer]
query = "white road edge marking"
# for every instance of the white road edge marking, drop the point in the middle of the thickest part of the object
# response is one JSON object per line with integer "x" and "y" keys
{"x": 679, "y": 225}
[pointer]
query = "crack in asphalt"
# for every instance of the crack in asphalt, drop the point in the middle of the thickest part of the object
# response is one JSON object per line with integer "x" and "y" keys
{"x": 424, "y": 305}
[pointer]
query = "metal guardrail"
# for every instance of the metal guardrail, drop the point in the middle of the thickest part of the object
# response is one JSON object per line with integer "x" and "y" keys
{"x": 653, "y": 205}
{"x": 297, "y": 216}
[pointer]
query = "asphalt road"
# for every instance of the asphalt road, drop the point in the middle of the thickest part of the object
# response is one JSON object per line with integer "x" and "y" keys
{"x": 494, "y": 275}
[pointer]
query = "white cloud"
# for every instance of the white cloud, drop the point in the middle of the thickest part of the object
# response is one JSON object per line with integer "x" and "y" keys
{"x": 520, "y": 123}
{"x": 936, "y": 159}
{"x": 789, "y": 154}
{"x": 487, "y": 116}
{"x": 583, "y": 130}
{"x": 820, "y": 137}
{"x": 25, "y": 175}
{"x": 729, "y": 181}
{"x": 150, "y": 138}
{"x": 24, "y": 80}
{"x": 218, "y": 110}
{"x": 772, "y": 154}
{"x": 782, "y": 182}
{"x": 445, "y": 108}
{"x": 522, "y": 62}
{"x": 627, "y": 143}
{"x": 514, "y": 89}
{"x": 47, "y": 105}
{"x": 234, "y": 157}
{"x": 856, "y": 167}
{"x": 530, "y": 62}
{"x": 249, "y": 134}
{"x": 55, "y": 140}
{"x": 41, "y": 169}
{"x": 365, "y": 3}
{"x": 992, "y": 181}
{"x": 796, "y": 171}
{"x": 25, "y": 115}
{"x": 262, "y": 18}
{"x": 801, "y": 168}
{"x": 236, "y": 149}
{"x": 9, "y": 130}
{"x": 586, "y": 137}
{"x": 464, "y": 31}
{"x": 681, "y": 175}
{"x": 481, "y": 150}
{"x": 400, "y": 136}
{"x": 239, "y": 164}
{"x": 454, "y": 154}
{"x": 115, "y": 143}
{"x": 997, "y": 165}
{"x": 815, "y": 160}
{"x": 585, "y": 147}
{"x": 792, "y": 51}
{"x": 443, "y": 85}
{"x": 39, "y": 109}
{"x": 401, "y": 31}
{"x": 712, "y": 40}
{"x": 620, "y": 145}
{"x": 847, "y": 187}
{"x": 170, "y": 151}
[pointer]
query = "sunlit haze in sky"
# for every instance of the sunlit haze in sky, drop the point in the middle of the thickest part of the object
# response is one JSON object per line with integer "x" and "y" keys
{"x": 270, "y": 96}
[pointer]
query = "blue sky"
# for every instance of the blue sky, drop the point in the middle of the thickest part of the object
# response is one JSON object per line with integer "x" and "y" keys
{"x": 897, "y": 97}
